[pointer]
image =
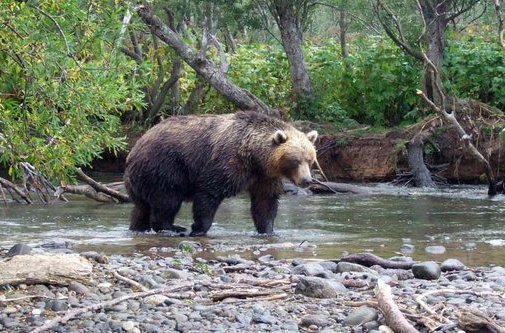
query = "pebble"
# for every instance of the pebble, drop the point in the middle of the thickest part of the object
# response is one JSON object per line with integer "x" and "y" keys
{"x": 428, "y": 270}
{"x": 128, "y": 326}
{"x": 155, "y": 300}
{"x": 315, "y": 320}
{"x": 407, "y": 248}
{"x": 361, "y": 315}
{"x": 316, "y": 305}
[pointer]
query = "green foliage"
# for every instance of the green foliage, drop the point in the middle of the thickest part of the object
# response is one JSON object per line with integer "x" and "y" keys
{"x": 261, "y": 69}
{"x": 64, "y": 84}
{"x": 378, "y": 89}
{"x": 475, "y": 68}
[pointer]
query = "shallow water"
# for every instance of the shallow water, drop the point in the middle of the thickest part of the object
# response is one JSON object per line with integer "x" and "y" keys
{"x": 310, "y": 226}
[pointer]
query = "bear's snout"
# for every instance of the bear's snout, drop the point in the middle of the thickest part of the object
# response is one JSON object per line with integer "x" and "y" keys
{"x": 305, "y": 182}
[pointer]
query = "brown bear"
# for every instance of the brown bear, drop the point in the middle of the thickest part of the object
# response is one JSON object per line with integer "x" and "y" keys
{"x": 205, "y": 159}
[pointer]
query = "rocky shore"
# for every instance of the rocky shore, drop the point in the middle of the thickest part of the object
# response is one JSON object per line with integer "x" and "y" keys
{"x": 179, "y": 291}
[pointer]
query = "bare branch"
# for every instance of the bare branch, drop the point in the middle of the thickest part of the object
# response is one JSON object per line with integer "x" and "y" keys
{"x": 398, "y": 40}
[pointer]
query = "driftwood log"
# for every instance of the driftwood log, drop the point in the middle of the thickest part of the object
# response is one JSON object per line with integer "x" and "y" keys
{"x": 369, "y": 260}
{"x": 57, "y": 269}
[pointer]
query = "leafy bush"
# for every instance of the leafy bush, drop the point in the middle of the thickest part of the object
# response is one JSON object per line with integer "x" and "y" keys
{"x": 475, "y": 68}
{"x": 64, "y": 85}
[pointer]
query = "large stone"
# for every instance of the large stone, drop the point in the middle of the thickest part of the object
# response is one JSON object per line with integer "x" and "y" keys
{"x": 60, "y": 269}
{"x": 319, "y": 288}
{"x": 452, "y": 265}
{"x": 428, "y": 270}
{"x": 310, "y": 269}
{"x": 343, "y": 267}
{"x": 361, "y": 315}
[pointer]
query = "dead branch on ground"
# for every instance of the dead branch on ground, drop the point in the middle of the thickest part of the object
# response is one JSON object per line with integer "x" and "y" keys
{"x": 107, "y": 304}
{"x": 392, "y": 314}
{"x": 472, "y": 320}
{"x": 368, "y": 260}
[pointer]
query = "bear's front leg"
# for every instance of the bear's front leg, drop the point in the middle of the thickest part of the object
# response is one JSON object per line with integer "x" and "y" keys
{"x": 204, "y": 208}
{"x": 264, "y": 210}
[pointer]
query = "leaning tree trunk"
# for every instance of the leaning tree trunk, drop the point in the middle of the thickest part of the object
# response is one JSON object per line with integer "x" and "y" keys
{"x": 291, "y": 36}
{"x": 242, "y": 98}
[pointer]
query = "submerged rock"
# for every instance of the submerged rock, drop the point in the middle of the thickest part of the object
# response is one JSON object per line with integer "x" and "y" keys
{"x": 435, "y": 249}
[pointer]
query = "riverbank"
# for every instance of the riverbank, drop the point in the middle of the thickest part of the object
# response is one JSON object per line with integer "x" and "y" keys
{"x": 186, "y": 293}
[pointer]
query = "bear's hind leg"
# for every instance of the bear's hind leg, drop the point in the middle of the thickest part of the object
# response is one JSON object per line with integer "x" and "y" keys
{"x": 140, "y": 217}
{"x": 164, "y": 211}
{"x": 204, "y": 209}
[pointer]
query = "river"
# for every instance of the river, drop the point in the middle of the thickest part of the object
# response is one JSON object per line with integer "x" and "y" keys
{"x": 462, "y": 219}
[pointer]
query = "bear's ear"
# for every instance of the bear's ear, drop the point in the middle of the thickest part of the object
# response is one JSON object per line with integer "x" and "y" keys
{"x": 279, "y": 137}
{"x": 312, "y": 136}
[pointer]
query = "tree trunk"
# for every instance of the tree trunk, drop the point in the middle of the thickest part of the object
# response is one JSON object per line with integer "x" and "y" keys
{"x": 344, "y": 49}
{"x": 242, "y": 98}
{"x": 194, "y": 98}
{"x": 420, "y": 172}
{"x": 435, "y": 34}
{"x": 501, "y": 22}
{"x": 291, "y": 35}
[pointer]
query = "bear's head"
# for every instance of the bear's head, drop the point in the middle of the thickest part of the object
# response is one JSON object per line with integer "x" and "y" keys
{"x": 293, "y": 155}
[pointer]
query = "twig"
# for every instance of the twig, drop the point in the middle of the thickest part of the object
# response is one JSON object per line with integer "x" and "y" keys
{"x": 129, "y": 281}
{"x": 425, "y": 306}
{"x": 5, "y": 300}
{"x": 392, "y": 314}
{"x": 103, "y": 305}
{"x": 242, "y": 294}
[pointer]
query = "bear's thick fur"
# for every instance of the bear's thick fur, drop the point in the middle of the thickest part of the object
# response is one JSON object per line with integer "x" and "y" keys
{"x": 207, "y": 159}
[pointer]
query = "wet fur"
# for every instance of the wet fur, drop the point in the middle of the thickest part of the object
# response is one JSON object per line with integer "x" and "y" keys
{"x": 205, "y": 160}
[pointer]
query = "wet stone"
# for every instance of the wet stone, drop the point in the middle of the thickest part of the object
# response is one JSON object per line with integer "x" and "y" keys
{"x": 316, "y": 320}
{"x": 318, "y": 287}
{"x": 311, "y": 269}
{"x": 452, "y": 265}
{"x": 428, "y": 270}
{"x": 407, "y": 248}
{"x": 361, "y": 315}
{"x": 19, "y": 249}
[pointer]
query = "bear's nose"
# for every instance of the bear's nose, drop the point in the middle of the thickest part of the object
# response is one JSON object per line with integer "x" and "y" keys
{"x": 306, "y": 182}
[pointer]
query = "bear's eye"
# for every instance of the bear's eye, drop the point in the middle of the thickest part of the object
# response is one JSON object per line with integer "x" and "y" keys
{"x": 290, "y": 164}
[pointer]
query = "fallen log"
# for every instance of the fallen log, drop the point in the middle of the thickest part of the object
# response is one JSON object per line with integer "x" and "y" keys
{"x": 56, "y": 269}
